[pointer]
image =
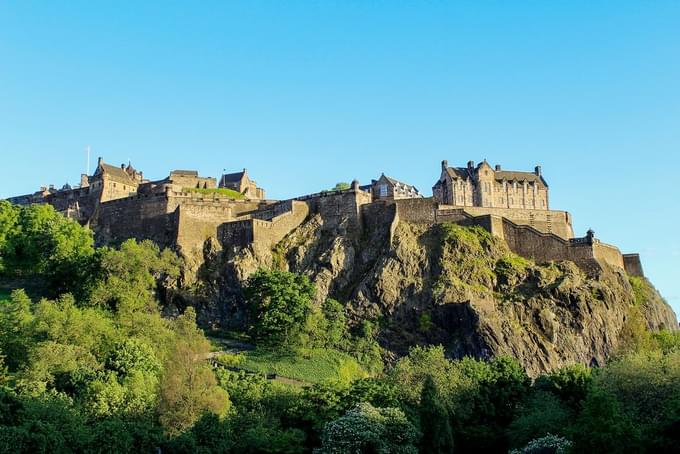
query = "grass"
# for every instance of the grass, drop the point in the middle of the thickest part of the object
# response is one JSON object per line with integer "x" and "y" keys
{"x": 220, "y": 191}
{"x": 316, "y": 365}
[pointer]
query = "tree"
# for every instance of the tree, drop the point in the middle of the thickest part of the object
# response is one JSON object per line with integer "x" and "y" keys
{"x": 188, "y": 386}
{"x": 9, "y": 218}
{"x": 341, "y": 186}
{"x": 127, "y": 278}
{"x": 368, "y": 429}
{"x": 15, "y": 328}
{"x": 278, "y": 306}
{"x": 434, "y": 421}
{"x": 42, "y": 243}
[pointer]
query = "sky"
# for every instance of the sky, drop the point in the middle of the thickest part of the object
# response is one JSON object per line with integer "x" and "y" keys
{"x": 306, "y": 94}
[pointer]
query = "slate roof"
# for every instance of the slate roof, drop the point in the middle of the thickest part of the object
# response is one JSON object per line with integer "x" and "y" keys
{"x": 232, "y": 177}
{"x": 500, "y": 175}
{"x": 405, "y": 186}
{"x": 115, "y": 172}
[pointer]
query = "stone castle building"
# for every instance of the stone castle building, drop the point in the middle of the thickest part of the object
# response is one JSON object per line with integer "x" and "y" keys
{"x": 185, "y": 210}
{"x": 387, "y": 188}
{"x": 241, "y": 182}
{"x": 484, "y": 186}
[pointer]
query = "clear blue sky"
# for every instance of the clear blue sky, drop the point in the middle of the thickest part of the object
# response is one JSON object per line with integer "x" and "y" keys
{"x": 306, "y": 94}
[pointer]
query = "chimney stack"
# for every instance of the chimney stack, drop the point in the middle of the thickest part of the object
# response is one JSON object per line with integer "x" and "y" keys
{"x": 471, "y": 164}
{"x": 498, "y": 167}
{"x": 537, "y": 170}
{"x": 100, "y": 161}
{"x": 445, "y": 164}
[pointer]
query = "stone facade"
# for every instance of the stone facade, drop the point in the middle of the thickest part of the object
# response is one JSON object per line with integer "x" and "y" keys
{"x": 386, "y": 188}
{"x": 484, "y": 186}
{"x": 241, "y": 182}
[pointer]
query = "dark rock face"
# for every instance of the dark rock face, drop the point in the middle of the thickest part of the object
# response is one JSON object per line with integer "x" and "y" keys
{"x": 449, "y": 285}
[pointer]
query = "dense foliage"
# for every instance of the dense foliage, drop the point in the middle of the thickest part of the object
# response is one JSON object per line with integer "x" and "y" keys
{"x": 88, "y": 364}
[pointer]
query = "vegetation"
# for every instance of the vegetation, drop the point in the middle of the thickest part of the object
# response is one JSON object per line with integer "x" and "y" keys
{"x": 218, "y": 191}
{"x": 316, "y": 365}
{"x": 90, "y": 365}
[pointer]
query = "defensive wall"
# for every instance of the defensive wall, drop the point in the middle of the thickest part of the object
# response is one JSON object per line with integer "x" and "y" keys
{"x": 529, "y": 241}
{"x": 429, "y": 211}
{"x": 185, "y": 220}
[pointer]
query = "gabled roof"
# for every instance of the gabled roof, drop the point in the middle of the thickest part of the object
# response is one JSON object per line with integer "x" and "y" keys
{"x": 232, "y": 177}
{"x": 405, "y": 186}
{"x": 459, "y": 172}
{"x": 115, "y": 172}
{"x": 510, "y": 175}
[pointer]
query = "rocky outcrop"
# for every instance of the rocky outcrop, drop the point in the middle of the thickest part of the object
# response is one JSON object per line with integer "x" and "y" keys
{"x": 450, "y": 285}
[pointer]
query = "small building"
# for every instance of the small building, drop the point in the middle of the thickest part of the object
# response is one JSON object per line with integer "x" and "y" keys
{"x": 493, "y": 187}
{"x": 111, "y": 182}
{"x": 386, "y": 188}
{"x": 191, "y": 179}
{"x": 241, "y": 182}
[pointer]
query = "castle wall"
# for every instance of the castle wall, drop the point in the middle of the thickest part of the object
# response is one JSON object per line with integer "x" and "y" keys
{"x": 428, "y": 211}
{"x": 264, "y": 233}
{"x": 140, "y": 217}
{"x": 632, "y": 265}
{"x": 339, "y": 209}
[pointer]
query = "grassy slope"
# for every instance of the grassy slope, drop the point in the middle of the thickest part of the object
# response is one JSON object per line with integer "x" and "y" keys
{"x": 221, "y": 191}
{"x": 311, "y": 365}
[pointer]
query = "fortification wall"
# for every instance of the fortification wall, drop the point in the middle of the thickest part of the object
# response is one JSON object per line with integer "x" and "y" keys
{"x": 338, "y": 209}
{"x": 264, "y": 233}
{"x": 428, "y": 211}
{"x": 632, "y": 265}
{"x": 142, "y": 217}
{"x": 547, "y": 221}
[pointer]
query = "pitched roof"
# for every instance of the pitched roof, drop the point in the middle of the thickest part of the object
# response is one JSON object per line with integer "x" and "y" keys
{"x": 232, "y": 177}
{"x": 115, "y": 172}
{"x": 510, "y": 175}
{"x": 401, "y": 184}
{"x": 500, "y": 175}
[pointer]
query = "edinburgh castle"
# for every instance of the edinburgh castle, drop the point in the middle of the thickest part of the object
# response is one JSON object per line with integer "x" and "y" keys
{"x": 184, "y": 211}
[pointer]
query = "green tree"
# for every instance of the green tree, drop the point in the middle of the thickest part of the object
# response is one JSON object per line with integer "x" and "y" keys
{"x": 16, "y": 320}
{"x": 9, "y": 220}
{"x": 189, "y": 387}
{"x": 279, "y": 303}
{"x": 368, "y": 429}
{"x": 341, "y": 186}
{"x": 435, "y": 424}
{"x": 128, "y": 277}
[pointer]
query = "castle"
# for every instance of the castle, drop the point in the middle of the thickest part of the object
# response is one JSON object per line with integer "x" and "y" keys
{"x": 184, "y": 210}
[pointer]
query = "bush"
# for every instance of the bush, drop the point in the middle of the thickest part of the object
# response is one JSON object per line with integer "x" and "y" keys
{"x": 550, "y": 444}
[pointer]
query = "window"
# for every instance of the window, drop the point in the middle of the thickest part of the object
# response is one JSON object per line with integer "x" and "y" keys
{"x": 383, "y": 190}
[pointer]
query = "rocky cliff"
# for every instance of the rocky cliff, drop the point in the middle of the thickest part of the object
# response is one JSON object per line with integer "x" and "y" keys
{"x": 450, "y": 285}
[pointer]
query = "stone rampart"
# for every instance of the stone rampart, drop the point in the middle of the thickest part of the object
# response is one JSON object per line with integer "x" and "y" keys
{"x": 632, "y": 264}
{"x": 141, "y": 217}
{"x": 428, "y": 211}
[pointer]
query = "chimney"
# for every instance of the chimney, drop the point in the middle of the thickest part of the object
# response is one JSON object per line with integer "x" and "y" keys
{"x": 100, "y": 161}
{"x": 471, "y": 164}
{"x": 122, "y": 166}
{"x": 498, "y": 167}
{"x": 537, "y": 170}
{"x": 84, "y": 181}
{"x": 445, "y": 164}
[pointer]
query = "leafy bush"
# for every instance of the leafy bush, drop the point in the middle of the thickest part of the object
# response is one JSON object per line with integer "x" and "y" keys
{"x": 550, "y": 444}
